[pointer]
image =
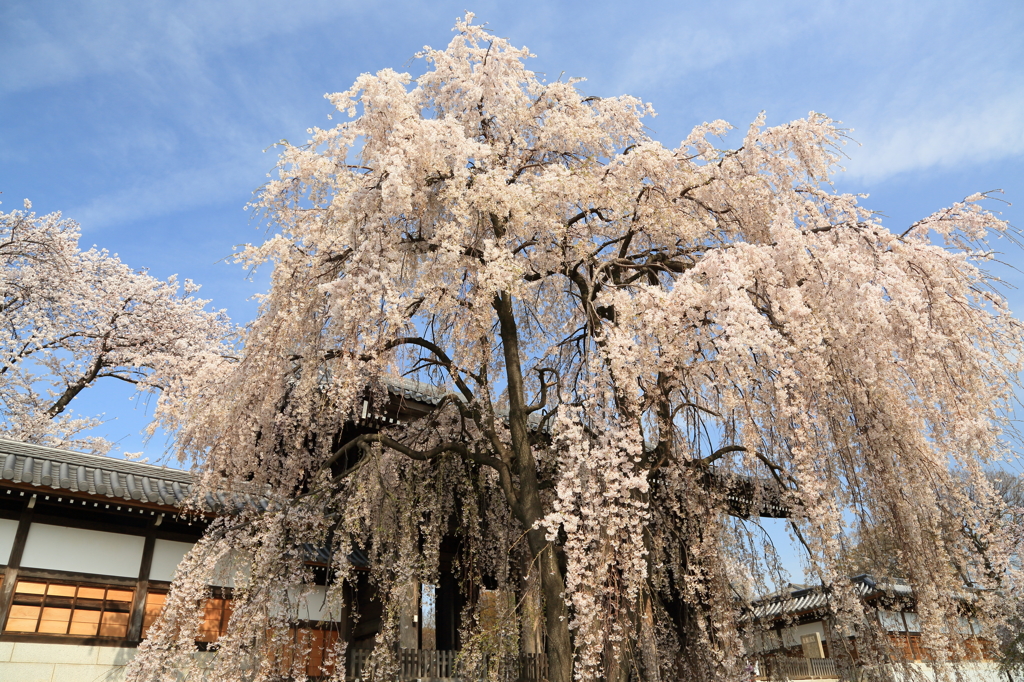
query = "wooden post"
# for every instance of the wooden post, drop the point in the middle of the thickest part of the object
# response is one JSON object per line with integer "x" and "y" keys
{"x": 142, "y": 588}
{"x": 14, "y": 561}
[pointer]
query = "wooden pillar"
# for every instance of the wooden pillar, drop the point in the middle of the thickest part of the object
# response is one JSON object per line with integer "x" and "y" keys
{"x": 142, "y": 588}
{"x": 14, "y": 561}
{"x": 409, "y": 616}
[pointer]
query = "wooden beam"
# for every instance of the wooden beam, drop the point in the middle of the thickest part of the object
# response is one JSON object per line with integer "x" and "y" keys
{"x": 142, "y": 588}
{"x": 49, "y": 491}
{"x": 14, "y": 561}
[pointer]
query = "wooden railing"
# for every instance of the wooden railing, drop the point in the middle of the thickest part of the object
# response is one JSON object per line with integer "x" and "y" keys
{"x": 444, "y": 665}
{"x": 800, "y": 669}
{"x": 355, "y": 662}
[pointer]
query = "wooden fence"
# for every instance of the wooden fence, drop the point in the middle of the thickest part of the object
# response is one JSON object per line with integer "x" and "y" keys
{"x": 444, "y": 665}
{"x": 782, "y": 668}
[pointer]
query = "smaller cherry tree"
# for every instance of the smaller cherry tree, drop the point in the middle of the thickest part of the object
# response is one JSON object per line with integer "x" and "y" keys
{"x": 73, "y": 317}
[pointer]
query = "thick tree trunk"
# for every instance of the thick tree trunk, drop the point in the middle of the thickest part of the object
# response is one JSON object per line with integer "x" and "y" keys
{"x": 556, "y": 614}
{"x": 648, "y": 646}
{"x": 532, "y": 611}
{"x": 559, "y": 645}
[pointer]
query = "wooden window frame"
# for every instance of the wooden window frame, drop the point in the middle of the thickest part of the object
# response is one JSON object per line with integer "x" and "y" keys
{"x": 45, "y": 600}
{"x": 218, "y": 594}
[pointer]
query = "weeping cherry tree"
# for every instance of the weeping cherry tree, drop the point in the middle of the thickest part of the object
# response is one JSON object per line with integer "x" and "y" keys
{"x": 621, "y": 337}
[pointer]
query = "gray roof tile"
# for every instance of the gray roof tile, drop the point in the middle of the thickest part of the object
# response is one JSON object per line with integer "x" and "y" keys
{"x": 92, "y": 474}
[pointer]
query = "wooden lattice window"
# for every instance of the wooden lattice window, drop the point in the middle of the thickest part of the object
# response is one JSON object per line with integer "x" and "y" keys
{"x": 312, "y": 642}
{"x": 216, "y": 614}
{"x": 82, "y": 609}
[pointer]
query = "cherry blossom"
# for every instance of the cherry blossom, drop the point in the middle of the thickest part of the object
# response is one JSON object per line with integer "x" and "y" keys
{"x": 623, "y": 337}
{"x": 73, "y": 317}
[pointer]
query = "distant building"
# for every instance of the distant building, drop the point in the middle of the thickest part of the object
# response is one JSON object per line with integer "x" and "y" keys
{"x": 88, "y": 547}
{"x": 800, "y": 641}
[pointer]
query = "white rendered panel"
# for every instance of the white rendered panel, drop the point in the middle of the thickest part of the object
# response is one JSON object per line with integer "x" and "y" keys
{"x": 8, "y": 528}
{"x": 59, "y": 548}
{"x": 316, "y": 607}
{"x": 810, "y": 628}
{"x": 891, "y": 621}
{"x": 166, "y": 556}
{"x": 791, "y": 635}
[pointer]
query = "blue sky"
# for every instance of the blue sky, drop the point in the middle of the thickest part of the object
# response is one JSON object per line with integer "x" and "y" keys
{"x": 146, "y": 122}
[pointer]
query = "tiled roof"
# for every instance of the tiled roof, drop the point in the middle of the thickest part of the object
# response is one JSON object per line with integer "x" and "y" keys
{"x": 410, "y": 389}
{"x": 58, "y": 469}
{"x": 80, "y": 472}
{"x": 84, "y": 473}
{"x": 742, "y": 491}
{"x": 814, "y": 598}
{"x": 70, "y": 471}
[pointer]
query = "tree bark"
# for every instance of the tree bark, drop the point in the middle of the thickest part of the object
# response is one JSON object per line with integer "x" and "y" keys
{"x": 556, "y": 614}
{"x": 532, "y": 618}
{"x": 559, "y": 644}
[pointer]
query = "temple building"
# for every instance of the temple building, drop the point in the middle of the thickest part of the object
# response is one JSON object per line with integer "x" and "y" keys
{"x": 801, "y": 640}
{"x": 88, "y": 545}
{"x": 88, "y": 548}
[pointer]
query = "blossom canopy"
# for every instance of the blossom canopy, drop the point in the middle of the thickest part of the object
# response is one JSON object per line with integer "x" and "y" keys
{"x": 614, "y": 328}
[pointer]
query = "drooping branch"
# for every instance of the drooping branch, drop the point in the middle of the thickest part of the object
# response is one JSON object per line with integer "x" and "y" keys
{"x": 721, "y": 452}
{"x": 719, "y": 291}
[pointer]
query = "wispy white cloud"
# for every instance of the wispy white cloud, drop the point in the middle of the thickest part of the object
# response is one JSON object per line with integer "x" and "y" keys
{"x": 924, "y": 86}
{"x": 699, "y": 39}
{"x": 126, "y": 113}
{"x": 973, "y": 132}
{"x": 178, "y": 191}
{"x": 54, "y": 42}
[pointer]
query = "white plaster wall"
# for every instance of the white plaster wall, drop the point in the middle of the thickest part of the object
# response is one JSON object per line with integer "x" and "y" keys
{"x": 82, "y": 551}
{"x": 7, "y": 530}
{"x": 166, "y": 556}
{"x": 891, "y": 620}
{"x": 968, "y": 672}
{"x": 808, "y": 628}
{"x": 315, "y": 607}
{"x": 914, "y": 622}
{"x": 23, "y": 662}
{"x": 233, "y": 565}
{"x": 791, "y": 636}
